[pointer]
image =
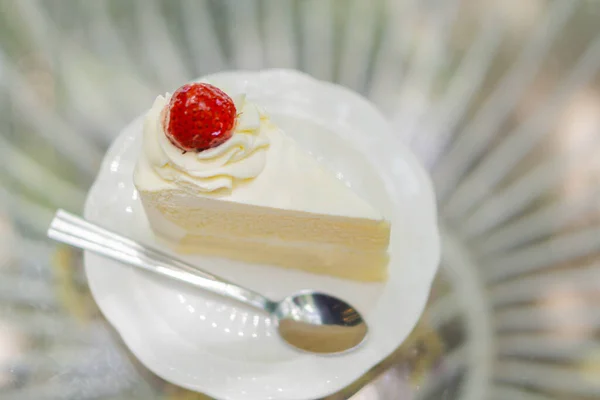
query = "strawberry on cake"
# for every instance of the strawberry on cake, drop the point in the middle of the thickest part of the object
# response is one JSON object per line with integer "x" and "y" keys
{"x": 218, "y": 177}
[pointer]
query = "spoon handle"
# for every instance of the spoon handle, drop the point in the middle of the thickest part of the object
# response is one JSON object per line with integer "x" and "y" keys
{"x": 75, "y": 231}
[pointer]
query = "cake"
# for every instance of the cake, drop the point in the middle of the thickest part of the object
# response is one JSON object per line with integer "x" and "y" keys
{"x": 218, "y": 177}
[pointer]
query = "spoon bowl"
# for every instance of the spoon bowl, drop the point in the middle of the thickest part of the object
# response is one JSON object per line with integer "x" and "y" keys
{"x": 320, "y": 323}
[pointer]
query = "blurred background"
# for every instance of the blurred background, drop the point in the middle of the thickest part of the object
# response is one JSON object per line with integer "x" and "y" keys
{"x": 500, "y": 99}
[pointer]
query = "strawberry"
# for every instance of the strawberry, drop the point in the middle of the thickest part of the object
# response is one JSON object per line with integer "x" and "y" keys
{"x": 198, "y": 117}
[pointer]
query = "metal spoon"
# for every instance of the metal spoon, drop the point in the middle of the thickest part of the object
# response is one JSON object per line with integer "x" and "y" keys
{"x": 310, "y": 321}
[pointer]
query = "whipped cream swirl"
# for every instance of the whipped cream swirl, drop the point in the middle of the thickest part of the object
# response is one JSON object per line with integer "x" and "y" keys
{"x": 241, "y": 157}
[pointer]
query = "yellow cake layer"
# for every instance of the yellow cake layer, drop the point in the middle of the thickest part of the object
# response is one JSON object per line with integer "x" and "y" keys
{"x": 222, "y": 218}
{"x": 369, "y": 266}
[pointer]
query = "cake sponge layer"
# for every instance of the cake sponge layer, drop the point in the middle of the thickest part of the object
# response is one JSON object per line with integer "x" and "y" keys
{"x": 364, "y": 266}
{"x": 204, "y": 217}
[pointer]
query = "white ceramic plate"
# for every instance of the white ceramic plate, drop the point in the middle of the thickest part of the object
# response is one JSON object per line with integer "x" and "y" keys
{"x": 213, "y": 346}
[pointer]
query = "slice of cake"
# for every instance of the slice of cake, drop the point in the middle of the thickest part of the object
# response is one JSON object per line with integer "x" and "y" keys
{"x": 218, "y": 177}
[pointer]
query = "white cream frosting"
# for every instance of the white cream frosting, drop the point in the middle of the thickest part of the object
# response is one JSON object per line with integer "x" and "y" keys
{"x": 291, "y": 180}
{"x": 286, "y": 176}
{"x": 241, "y": 157}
